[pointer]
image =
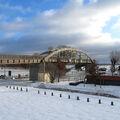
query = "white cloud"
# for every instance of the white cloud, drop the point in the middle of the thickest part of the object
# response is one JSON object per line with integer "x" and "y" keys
{"x": 93, "y": 1}
{"x": 49, "y": 12}
{"x": 18, "y": 8}
{"x": 116, "y": 25}
{"x": 70, "y": 20}
{"x": 19, "y": 19}
{"x": 80, "y": 24}
{"x": 3, "y": 17}
{"x": 9, "y": 35}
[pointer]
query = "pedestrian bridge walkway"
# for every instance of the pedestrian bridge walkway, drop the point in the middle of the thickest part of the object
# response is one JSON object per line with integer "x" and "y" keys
{"x": 67, "y": 55}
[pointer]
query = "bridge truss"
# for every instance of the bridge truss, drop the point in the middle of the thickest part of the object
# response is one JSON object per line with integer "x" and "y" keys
{"x": 67, "y": 55}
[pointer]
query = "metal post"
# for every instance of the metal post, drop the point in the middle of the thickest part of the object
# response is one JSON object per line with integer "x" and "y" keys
{"x": 4, "y": 73}
{"x": 44, "y": 66}
{"x": 80, "y": 58}
{"x": 44, "y": 69}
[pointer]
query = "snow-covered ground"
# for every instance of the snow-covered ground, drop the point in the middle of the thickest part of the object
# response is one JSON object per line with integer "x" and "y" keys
{"x": 15, "y": 72}
{"x": 83, "y": 88}
{"x": 22, "y": 105}
{"x": 72, "y": 75}
{"x": 5, "y": 82}
{"x": 108, "y": 71}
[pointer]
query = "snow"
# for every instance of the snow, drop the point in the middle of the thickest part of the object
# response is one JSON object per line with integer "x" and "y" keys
{"x": 108, "y": 69}
{"x": 6, "y": 82}
{"x": 24, "y": 73}
{"x": 104, "y": 89}
{"x": 72, "y": 75}
{"x": 22, "y": 105}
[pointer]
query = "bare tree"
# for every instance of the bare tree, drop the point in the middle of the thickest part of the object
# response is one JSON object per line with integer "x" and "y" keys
{"x": 56, "y": 70}
{"x": 79, "y": 66}
{"x": 93, "y": 71}
{"x": 114, "y": 58}
{"x": 63, "y": 46}
{"x": 36, "y": 54}
{"x": 50, "y": 48}
{"x": 61, "y": 68}
{"x": 52, "y": 69}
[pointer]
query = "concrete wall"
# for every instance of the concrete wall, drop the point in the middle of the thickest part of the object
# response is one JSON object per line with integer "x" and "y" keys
{"x": 44, "y": 77}
{"x": 34, "y": 69}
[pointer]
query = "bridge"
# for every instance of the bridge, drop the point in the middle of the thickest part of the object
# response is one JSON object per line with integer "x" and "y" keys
{"x": 67, "y": 55}
{"x": 38, "y": 61}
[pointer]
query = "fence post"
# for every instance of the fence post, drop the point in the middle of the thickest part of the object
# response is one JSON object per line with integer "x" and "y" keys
{"x": 99, "y": 101}
{"x": 52, "y": 94}
{"x": 17, "y": 88}
{"x": 38, "y": 92}
{"x": 60, "y": 95}
{"x": 68, "y": 96}
{"x": 88, "y": 100}
{"x": 26, "y": 90}
{"x": 44, "y": 93}
{"x": 112, "y": 103}
{"x": 78, "y": 98}
{"x": 21, "y": 89}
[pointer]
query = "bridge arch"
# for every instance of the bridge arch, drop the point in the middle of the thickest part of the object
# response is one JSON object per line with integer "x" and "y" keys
{"x": 67, "y": 49}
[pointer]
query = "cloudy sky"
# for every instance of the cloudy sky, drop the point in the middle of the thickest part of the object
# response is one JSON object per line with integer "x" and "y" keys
{"x": 29, "y": 26}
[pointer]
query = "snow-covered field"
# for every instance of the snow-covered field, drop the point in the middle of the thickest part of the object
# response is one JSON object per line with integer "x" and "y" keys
{"x": 22, "y": 105}
{"x": 81, "y": 88}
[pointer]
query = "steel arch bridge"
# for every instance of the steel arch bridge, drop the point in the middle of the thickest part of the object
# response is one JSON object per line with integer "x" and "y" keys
{"x": 37, "y": 63}
{"x": 67, "y": 55}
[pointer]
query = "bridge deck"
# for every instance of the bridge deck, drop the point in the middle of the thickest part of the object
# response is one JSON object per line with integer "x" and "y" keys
{"x": 50, "y": 56}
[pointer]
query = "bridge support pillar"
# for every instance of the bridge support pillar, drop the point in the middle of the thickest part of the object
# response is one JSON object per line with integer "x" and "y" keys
{"x": 34, "y": 70}
{"x": 37, "y": 73}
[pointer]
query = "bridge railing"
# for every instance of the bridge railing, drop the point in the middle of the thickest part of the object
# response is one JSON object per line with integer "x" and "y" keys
{"x": 19, "y": 61}
{"x": 4, "y": 57}
{"x": 53, "y": 59}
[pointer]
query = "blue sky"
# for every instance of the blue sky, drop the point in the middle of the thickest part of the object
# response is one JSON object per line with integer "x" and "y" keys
{"x": 108, "y": 28}
{"x": 31, "y": 7}
{"x": 28, "y": 26}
